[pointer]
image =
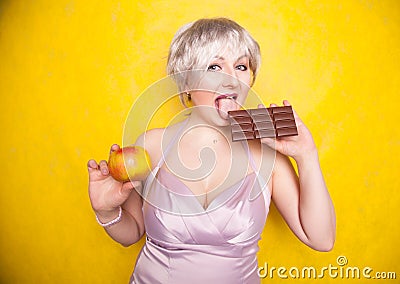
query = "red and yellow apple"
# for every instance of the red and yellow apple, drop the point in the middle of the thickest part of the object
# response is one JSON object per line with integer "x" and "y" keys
{"x": 129, "y": 163}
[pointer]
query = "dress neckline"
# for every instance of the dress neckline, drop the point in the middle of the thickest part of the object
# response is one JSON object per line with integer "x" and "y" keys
{"x": 184, "y": 190}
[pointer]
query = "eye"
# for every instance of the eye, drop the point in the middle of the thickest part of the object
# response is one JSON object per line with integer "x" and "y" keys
{"x": 241, "y": 67}
{"x": 214, "y": 67}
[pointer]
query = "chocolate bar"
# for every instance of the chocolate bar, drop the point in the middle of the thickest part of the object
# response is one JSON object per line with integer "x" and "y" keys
{"x": 273, "y": 122}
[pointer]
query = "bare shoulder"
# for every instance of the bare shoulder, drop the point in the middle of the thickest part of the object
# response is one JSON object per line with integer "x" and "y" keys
{"x": 150, "y": 138}
{"x": 154, "y": 141}
{"x": 151, "y": 142}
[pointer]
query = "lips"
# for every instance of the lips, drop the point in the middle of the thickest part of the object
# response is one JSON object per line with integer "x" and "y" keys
{"x": 225, "y": 103}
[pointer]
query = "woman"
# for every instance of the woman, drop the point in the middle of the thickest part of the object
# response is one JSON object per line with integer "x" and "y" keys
{"x": 203, "y": 217}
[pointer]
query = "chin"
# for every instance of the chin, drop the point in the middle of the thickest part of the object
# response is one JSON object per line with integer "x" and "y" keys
{"x": 220, "y": 122}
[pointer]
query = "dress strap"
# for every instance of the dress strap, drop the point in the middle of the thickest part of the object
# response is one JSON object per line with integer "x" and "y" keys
{"x": 250, "y": 156}
{"x": 152, "y": 176}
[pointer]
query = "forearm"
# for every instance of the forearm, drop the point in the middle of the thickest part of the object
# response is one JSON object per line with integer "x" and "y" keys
{"x": 317, "y": 214}
{"x": 126, "y": 232}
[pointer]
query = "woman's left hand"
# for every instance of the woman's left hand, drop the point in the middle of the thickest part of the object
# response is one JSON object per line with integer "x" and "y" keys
{"x": 298, "y": 146}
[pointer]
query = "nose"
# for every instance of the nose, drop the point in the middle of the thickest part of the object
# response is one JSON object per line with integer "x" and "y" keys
{"x": 229, "y": 80}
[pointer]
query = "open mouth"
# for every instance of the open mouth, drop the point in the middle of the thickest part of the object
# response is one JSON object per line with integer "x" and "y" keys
{"x": 225, "y": 103}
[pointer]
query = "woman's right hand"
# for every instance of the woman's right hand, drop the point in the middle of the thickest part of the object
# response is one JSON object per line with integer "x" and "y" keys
{"x": 107, "y": 194}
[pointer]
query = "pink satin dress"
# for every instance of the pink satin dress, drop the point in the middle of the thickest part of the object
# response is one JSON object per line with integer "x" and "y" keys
{"x": 186, "y": 243}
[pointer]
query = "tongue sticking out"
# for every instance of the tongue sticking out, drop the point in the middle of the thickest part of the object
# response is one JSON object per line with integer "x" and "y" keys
{"x": 224, "y": 105}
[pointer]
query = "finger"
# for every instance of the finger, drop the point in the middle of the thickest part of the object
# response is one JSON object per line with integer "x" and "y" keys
{"x": 295, "y": 115}
{"x": 125, "y": 191}
{"x": 114, "y": 147}
{"x": 127, "y": 187}
{"x": 270, "y": 142}
{"x": 273, "y": 105}
{"x": 297, "y": 118}
{"x": 261, "y": 106}
{"x": 91, "y": 164}
{"x": 93, "y": 169}
{"x": 103, "y": 167}
{"x": 287, "y": 103}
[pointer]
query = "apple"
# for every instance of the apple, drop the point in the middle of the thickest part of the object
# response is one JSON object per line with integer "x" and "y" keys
{"x": 129, "y": 163}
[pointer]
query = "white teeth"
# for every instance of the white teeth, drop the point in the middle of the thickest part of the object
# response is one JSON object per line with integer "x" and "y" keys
{"x": 231, "y": 97}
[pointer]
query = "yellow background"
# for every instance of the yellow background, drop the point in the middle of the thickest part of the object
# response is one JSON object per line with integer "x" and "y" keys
{"x": 70, "y": 71}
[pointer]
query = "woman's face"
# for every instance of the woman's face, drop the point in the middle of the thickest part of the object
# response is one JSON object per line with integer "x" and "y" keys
{"x": 222, "y": 88}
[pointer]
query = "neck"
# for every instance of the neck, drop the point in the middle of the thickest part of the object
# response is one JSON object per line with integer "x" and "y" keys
{"x": 204, "y": 126}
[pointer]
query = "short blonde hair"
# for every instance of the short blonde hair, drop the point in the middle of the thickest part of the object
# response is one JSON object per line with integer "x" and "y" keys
{"x": 196, "y": 44}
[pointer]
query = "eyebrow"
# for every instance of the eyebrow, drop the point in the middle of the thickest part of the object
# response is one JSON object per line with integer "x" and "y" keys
{"x": 222, "y": 58}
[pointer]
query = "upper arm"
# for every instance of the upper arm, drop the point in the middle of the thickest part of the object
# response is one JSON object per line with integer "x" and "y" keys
{"x": 150, "y": 141}
{"x": 286, "y": 195}
{"x": 133, "y": 205}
